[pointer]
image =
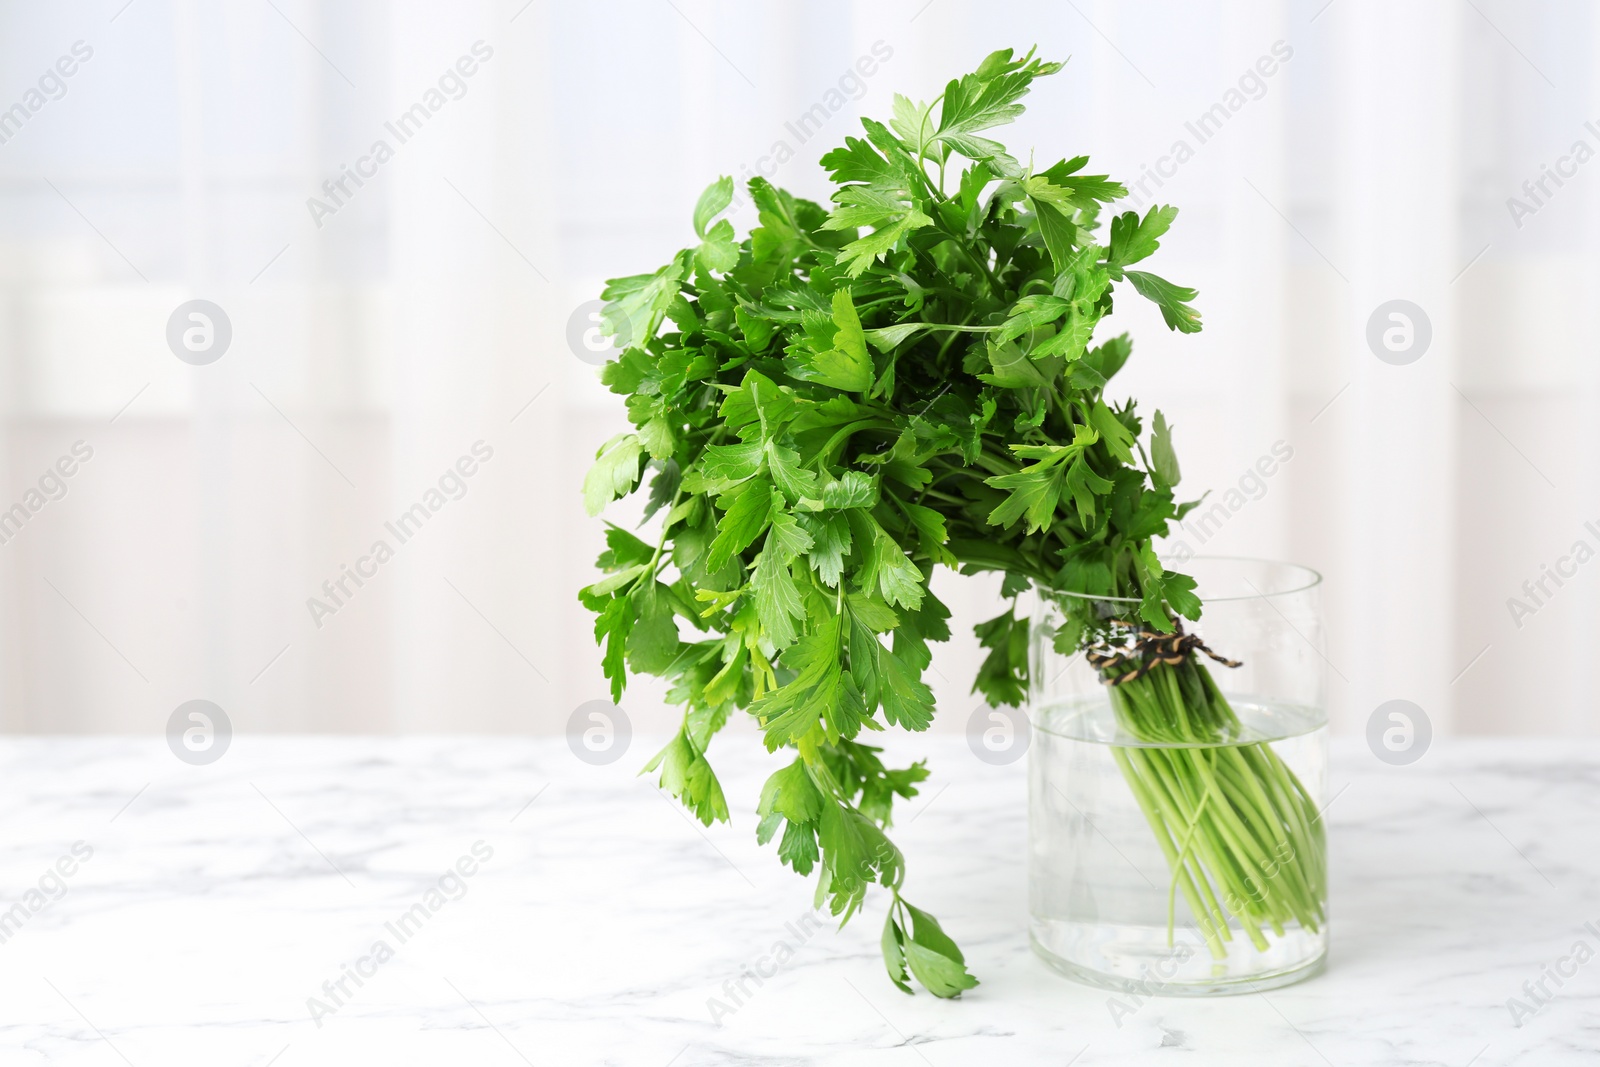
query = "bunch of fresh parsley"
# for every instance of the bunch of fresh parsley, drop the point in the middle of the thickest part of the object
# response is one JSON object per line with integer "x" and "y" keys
{"x": 830, "y": 408}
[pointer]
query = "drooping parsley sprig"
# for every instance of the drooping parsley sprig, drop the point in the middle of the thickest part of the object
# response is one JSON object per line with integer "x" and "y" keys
{"x": 829, "y": 408}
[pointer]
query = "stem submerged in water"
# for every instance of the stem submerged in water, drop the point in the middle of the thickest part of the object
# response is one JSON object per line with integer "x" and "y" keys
{"x": 1238, "y": 829}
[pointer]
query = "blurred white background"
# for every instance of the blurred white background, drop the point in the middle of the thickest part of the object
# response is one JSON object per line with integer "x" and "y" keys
{"x": 377, "y": 339}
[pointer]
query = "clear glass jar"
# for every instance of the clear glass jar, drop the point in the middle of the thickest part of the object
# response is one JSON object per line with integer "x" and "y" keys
{"x": 1176, "y": 843}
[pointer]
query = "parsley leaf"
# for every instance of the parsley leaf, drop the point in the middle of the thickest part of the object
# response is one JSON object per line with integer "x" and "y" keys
{"x": 1162, "y": 456}
{"x": 1171, "y": 299}
{"x": 615, "y": 472}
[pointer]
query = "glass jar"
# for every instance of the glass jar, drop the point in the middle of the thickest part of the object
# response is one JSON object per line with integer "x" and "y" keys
{"x": 1176, "y": 787}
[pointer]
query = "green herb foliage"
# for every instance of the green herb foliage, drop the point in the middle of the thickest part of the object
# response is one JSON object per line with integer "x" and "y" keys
{"x": 849, "y": 397}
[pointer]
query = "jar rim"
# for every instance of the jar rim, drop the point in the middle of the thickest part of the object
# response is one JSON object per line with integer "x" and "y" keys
{"x": 1306, "y": 579}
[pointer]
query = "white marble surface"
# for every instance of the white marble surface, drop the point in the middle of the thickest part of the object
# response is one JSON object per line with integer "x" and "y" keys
{"x": 219, "y": 899}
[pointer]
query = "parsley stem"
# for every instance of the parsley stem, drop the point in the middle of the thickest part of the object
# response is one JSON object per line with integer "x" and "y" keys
{"x": 1248, "y": 846}
{"x": 936, "y": 194}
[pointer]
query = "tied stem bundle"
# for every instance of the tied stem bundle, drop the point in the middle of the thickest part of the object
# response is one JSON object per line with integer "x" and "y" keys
{"x": 1241, "y": 834}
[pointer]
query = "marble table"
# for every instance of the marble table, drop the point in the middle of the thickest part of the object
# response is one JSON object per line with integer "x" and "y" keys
{"x": 534, "y": 909}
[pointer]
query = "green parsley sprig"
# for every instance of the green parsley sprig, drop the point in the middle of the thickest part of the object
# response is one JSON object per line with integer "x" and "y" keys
{"x": 828, "y": 409}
